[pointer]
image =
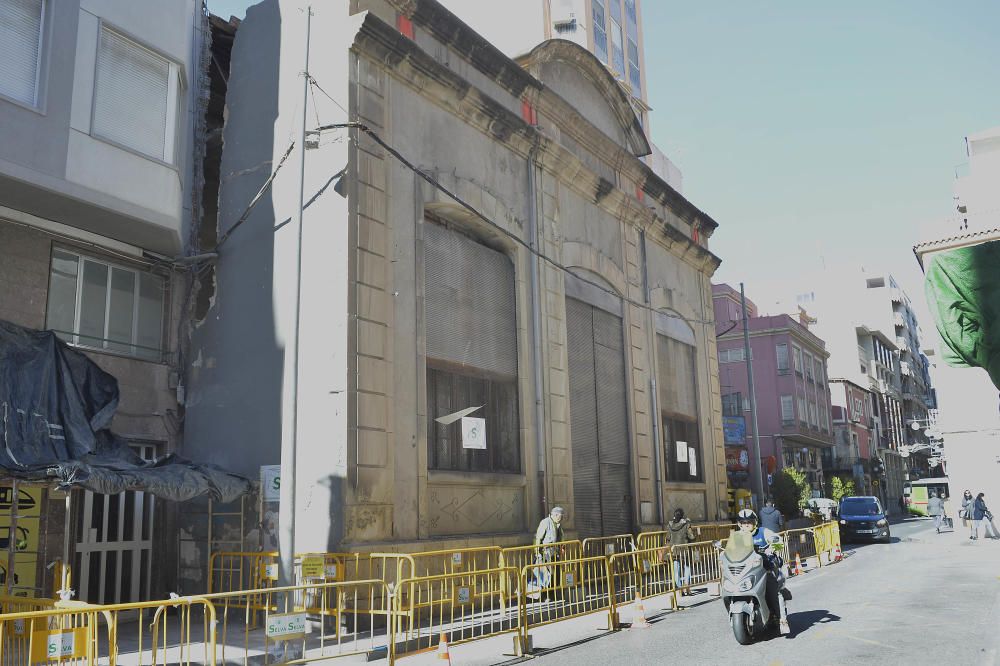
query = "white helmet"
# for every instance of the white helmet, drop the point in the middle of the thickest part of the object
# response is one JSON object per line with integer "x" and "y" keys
{"x": 748, "y": 515}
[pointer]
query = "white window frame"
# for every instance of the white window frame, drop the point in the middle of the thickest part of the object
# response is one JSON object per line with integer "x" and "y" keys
{"x": 803, "y": 410}
{"x": 797, "y": 359}
{"x": 35, "y": 103}
{"x": 172, "y": 118}
{"x": 787, "y": 403}
{"x": 807, "y": 362}
{"x": 73, "y": 337}
{"x": 777, "y": 355}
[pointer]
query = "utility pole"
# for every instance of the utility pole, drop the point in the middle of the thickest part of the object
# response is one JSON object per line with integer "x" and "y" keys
{"x": 756, "y": 473}
{"x": 289, "y": 446}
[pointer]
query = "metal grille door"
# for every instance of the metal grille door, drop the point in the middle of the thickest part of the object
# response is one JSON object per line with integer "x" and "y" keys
{"x": 114, "y": 544}
{"x": 598, "y": 418}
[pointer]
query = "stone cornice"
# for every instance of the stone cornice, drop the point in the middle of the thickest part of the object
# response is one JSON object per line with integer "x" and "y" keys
{"x": 439, "y": 84}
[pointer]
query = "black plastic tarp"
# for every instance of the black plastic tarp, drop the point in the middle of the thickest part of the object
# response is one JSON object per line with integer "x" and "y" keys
{"x": 56, "y": 407}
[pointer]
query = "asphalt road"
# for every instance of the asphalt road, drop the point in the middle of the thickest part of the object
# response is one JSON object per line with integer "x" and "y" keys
{"x": 923, "y": 599}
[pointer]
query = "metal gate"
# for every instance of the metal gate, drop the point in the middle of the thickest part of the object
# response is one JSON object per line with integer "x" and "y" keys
{"x": 114, "y": 544}
{"x": 598, "y": 421}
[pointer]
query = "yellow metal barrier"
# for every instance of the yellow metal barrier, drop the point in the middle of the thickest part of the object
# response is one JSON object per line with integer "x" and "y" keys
{"x": 695, "y": 565}
{"x": 641, "y": 574}
{"x": 702, "y": 532}
{"x": 577, "y": 587}
{"x": 801, "y": 542}
{"x": 608, "y": 546}
{"x": 181, "y": 630}
{"x": 464, "y": 606}
{"x": 344, "y": 622}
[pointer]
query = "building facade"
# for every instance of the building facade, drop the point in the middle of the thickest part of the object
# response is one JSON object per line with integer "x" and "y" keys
{"x": 99, "y": 108}
{"x": 523, "y": 262}
{"x": 790, "y": 385}
{"x": 854, "y": 435}
{"x": 610, "y": 29}
{"x": 958, "y": 257}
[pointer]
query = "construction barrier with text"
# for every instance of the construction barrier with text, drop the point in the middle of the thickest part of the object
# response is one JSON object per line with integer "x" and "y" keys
{"x": 383, "y": 605}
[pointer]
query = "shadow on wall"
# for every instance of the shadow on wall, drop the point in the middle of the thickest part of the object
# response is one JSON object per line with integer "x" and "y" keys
{"x": 234, "y": 379}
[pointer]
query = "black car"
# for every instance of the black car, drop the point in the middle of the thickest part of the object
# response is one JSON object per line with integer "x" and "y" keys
{"x": 863, "y": 518}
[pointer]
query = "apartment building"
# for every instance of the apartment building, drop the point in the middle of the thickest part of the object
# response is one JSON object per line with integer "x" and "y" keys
{"x": 99, "y": 109}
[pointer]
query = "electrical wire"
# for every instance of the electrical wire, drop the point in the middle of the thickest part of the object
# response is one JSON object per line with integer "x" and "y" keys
{"x": 361, "y": 127}
{"x": 256, "y": 198}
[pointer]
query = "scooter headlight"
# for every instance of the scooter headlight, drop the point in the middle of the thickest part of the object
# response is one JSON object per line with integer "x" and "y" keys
{"x": 746, "y": 584}
{"x": 882, "y": 523}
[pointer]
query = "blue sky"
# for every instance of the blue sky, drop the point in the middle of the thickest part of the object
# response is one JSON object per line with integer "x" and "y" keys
{"x": 816, "y": 132}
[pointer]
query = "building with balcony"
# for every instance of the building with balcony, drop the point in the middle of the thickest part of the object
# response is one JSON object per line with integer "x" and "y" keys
{"x": 854, "y": 434}
{"x": 100, "y": 107}
{"x": 790, "y": 383}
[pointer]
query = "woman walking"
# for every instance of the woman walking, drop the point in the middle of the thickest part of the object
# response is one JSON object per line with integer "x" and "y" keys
{"x": 981, "y": 514}
{"x": 966, "y": 514}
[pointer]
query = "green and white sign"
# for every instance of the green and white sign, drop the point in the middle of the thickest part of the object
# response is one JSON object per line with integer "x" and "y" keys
{"x": 286, "y": 626}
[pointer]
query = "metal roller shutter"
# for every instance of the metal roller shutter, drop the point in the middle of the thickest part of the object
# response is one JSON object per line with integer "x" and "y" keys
{"x": 470, "y": 315}
{"x": 598, "y": 418}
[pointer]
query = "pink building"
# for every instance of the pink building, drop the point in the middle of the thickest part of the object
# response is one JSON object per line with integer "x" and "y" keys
{"x": 854, "y": 433}
{"x": 790, "y": 381}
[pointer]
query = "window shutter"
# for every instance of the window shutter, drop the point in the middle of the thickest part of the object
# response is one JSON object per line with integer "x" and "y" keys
{"x": 469, "y": 311}
{"x": 782, "y": 352}
{"x": 20, "y": 49}
{"x": 130, "y": 96}
{"x": 787, "y": 410}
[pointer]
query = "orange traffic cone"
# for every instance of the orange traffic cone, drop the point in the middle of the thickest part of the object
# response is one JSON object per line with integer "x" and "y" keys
{"x": 837, "y": 555}
{"x": 443, "y": 649}
{"x": 639, "y": 619}
{"x": 798, "y": 565}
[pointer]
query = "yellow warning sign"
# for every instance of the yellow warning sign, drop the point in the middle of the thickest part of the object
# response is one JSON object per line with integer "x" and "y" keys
{"x": 313, "y": 567}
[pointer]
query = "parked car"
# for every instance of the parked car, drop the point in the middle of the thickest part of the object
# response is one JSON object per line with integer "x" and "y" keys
{"x": 821, "y": 508}
{"x": 863, "y": 518}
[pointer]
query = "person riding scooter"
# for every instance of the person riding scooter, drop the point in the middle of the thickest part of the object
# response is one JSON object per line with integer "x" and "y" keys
{"x": 765, "y": 542}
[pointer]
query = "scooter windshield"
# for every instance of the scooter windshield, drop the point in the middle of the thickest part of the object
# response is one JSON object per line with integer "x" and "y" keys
{"x": 739, "y": 546}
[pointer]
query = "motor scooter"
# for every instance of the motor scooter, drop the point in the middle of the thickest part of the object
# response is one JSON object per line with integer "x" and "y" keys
{"x": 744, "y": 588}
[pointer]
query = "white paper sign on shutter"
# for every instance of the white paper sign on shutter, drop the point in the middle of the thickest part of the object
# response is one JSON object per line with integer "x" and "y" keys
{"x": 473, "y": 433}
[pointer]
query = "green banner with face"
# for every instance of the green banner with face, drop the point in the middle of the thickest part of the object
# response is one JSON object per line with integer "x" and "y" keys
{"x": 963, "y": 293}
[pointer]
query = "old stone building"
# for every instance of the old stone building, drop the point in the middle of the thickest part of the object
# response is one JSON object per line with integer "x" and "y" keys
{"x": 522, "y": 259}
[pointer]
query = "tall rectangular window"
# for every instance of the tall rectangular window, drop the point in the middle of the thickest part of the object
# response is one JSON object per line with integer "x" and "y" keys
{"x": 21, "y": 23}
{"x": 617, "y": 48}
{"x": 632, "y": 42}
{"x": 797, "y": 359}
{"x": 678, "y": 389}
{"x": 807, "y": 361}
{"x": 819, "y": 371}
{"x": 787, "y": 411}
{"x": 104, "y": 306}
{"x": 803, "y": 412}
{"x": 471, "y": 333}
{"x": 600, "y": 31}
{"x": 781, "y": 352}
{"x": 135, "y": 96}
{"x": 732, "y": 404}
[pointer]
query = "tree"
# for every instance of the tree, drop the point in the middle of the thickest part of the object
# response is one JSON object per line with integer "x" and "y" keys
{"x": 842, "y": 487}
{"x": 791, "y": 491}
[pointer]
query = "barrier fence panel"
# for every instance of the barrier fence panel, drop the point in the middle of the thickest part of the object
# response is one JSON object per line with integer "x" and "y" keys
{"x": 177, "y": 631}
{"x": 304, "y": 623}
{"x": 519, "y": 557}
{"x": 608, "y": 546}
{"x": 696, "y": 565}
{"x": 713, "y": 531}
{"x": 801, "y": 542}
{"x": 647, "y": 540}
{"x": 562, "y": 590}
{"x": 464, "y": 606}
{"x": 642, "y": 573}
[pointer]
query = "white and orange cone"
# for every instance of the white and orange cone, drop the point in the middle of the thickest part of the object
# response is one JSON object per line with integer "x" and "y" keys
{"x": 443, "y": 654}
{"x": 798, "y": 565}
{"x": 837, "y": 554}
{"x": 639, "y": 620}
